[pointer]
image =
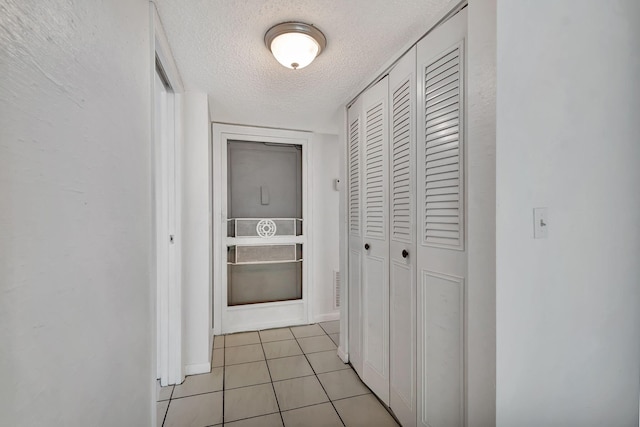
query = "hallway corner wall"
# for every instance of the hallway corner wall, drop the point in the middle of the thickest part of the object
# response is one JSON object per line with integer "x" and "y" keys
{"x": 326, "y": 168}
{"x": 76, "y": 302}
{"x": 196, "y": 235}
{"x": 481, "y": 210}
{"x": 568, "y": 306}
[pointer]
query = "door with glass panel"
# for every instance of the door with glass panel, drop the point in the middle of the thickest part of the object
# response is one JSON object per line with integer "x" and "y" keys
{"x": 264, "y": 282}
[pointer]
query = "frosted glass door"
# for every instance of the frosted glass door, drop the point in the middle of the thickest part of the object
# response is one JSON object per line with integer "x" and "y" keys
{"x": 264, "y": 201}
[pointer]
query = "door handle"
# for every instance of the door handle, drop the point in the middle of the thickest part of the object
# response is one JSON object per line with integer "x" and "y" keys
{"x": 366, "y": 246}
{"x": 405, "y": 253}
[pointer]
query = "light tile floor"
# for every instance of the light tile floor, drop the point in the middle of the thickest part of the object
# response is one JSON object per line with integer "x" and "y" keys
{"x": 278, "y": 377}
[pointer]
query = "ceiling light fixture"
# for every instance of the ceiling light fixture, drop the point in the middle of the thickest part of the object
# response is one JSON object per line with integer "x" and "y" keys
{"x": 295, "y": 44}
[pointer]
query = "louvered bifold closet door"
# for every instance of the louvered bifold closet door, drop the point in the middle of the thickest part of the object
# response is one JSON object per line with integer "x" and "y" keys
{"x": 354, "y": 204}
{"x": 402, "y": 283}
{"x": 441, "y": 259}
{"x": 375, "y": 285}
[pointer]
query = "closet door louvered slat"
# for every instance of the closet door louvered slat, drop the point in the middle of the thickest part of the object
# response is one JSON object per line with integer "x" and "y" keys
{"x": 443, "y": 219}
{"x": 401, "y": 163}
{"x": 374, "y": 167}
{"x": 354, "y": 177}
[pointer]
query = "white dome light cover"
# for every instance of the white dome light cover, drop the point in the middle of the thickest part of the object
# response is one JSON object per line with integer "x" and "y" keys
{"x": 295, "y": 44}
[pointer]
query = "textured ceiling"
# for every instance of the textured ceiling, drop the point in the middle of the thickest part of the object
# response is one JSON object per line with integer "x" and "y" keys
{"x": 218, "y": 47}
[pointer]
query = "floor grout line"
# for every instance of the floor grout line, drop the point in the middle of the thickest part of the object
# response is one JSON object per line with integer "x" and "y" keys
{"x": 271, "y": 378}
{"x": 323, "y": 389}
{"x": 224, "y": 374}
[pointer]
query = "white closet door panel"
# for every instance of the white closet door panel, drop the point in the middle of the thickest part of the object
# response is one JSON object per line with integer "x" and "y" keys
{"x": 440, "y": 255}
{"x": 402, "y": 380}
{"x": 354, "y": 186}
{"x": 355, "y": 310}
{"x": 402, "y": 325}
{"x": 376, "y": 306}
{"x": 443, "y": 346}
{"x": 375, "y": 284}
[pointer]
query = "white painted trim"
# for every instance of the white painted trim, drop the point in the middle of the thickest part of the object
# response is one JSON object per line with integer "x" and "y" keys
{"x": 308, "y": 276}
{"x": 218, "y": 218}
{"x": 327, "y": 317}
{"x": 343, "y": 222}
{"x": 210, "y": 230}
{"x": 176, "y": 371}
{"x": 221, "y": 133}
{"x": 163, "y": 51}
{"x": 344, "y": 356}
{"x": 197, "y": 368}
{"x": 153, "y": 291}
{"x": 169, "y": 313}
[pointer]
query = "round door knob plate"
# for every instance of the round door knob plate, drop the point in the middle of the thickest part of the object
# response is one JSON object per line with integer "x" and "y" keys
{"x": 405, "y": 253}
{"x": 366, "y": 246}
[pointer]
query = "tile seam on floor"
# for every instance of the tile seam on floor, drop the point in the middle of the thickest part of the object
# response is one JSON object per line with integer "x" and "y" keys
{"x": 349, "y": 397}
{"x": 275, "y": 395}
{"x": 323, "y": 389}
{"x": 282, "y": 357}
{"x": 268, "y": 342}
{"x": 164, "y": 419}
{"x": 311, "y": 336}
{"x": 314, "y": 352}
{"x": 198, "y": 394}
{"x": 334, "y": 370}
{"x": 241, "y": 345}
{"x": 224, "y": 374}
{"x": 250, "y": 418}
{"x": 245, "y": 386}
{"x": 294, "y": 378}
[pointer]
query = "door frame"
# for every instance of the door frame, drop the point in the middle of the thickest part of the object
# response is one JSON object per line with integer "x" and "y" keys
{"x": 221, "y": 134}
{"x": 166, "y": 187}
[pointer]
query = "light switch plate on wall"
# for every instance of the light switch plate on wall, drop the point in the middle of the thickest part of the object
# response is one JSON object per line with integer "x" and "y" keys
{"x": 540, "y": 225}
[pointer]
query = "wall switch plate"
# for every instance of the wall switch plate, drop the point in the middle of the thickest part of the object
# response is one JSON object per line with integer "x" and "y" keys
{"x": 540, "y": 226}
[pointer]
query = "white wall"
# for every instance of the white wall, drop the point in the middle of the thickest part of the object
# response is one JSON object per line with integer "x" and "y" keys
{"x": 76, "y": 216}
{"x": 196, "y": 234}
{"x": 568, "y": 307}
{"x": 481, "y": 225}
{"x": 326, "y": 167}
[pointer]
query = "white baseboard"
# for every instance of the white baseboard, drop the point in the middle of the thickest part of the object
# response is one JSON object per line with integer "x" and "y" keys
{"x": 342, "y": 355}
{"x": 211, "y": 336}
{"x": 197, "y": 368}
{"x": 328, "y": 317}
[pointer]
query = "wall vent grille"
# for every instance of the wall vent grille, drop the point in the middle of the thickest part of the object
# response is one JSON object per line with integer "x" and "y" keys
{"x": 336, "y": 290}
